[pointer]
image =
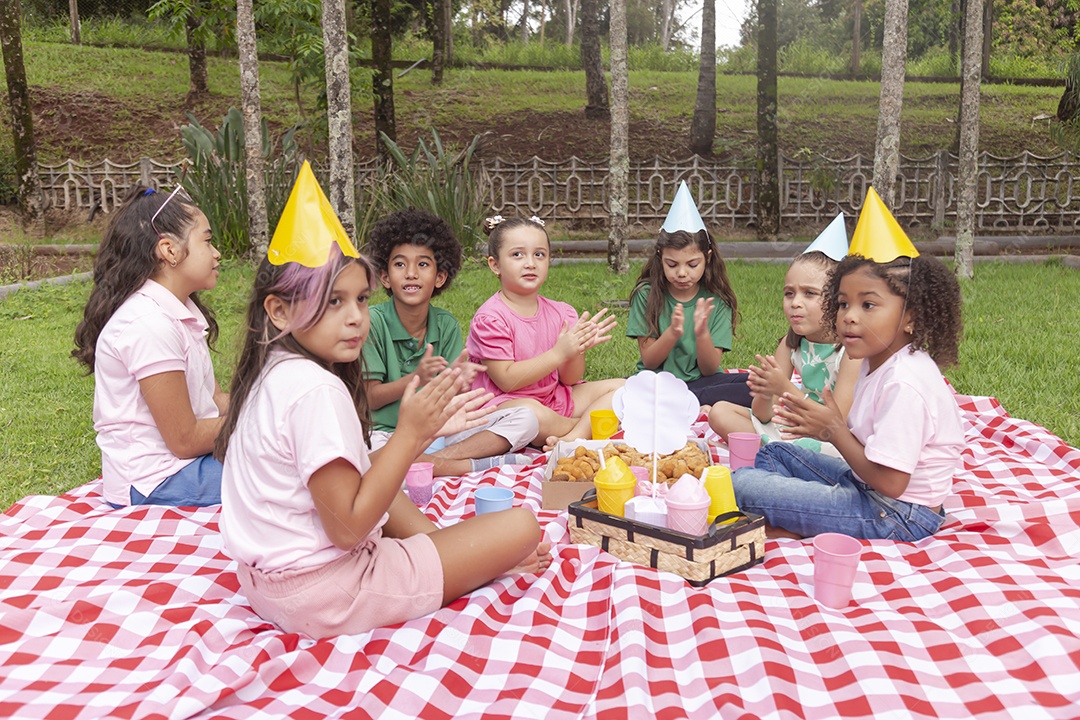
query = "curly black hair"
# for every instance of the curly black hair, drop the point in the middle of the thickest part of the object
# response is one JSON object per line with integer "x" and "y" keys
{"x": 930, "y": 291}
{"x": 413, "y": 226}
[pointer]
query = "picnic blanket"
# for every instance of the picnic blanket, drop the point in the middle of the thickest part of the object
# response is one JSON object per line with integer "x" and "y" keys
{"x": 137, "y": 613}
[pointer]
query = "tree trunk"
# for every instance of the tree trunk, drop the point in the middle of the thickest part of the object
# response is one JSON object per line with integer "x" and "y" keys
{"x": 856, "y": 39}
{"x": 31, "y": 200}
{"x": 382, "y": 77}
{"x": 618, "y": 193}
{"x": 893, "y": 57}
{"x": 667, "y": 11}
{"x": 571, "y": 20}
{"x": 703, "y": 124}
{"x": 595, "y": 82}
{"x": 971, "y": 65}
{"x": 438, "y": 41}
{"x": 524, "y": 21}
{"x": 339, "y": 113}
{"x": 987, "y": 38}
{"x": 768, "y": 151}
{"x": 76, "y": 26}
{"x": 448, "y": 24}
{"x": 196, "y": 52}
{"x": 251, "y": 104}
{"x": 543, "y": 20}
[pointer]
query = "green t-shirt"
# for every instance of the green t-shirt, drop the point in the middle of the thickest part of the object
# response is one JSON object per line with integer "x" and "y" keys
{"x": 682, "y": 360}
{"x": 391, "y": 353}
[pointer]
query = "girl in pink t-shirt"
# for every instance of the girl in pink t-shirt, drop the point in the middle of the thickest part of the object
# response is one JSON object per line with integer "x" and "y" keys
{"x": 325, "y": 540}
{"x": 902, "y": 439}
{"x": 146, "y": 337}
{"x": 533, "y": 347}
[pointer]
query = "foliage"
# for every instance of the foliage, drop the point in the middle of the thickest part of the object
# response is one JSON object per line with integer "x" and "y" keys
{"x": 936, "y": 62}
{"x": 217, "y": 20}
{"x": 436, "y": 179}
{"x": 217, "y": 179}
{"x": 1066, "y": 132}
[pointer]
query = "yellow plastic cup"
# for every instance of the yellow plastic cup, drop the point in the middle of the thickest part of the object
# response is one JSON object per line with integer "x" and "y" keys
{"x": 721, "y": 494}
{"x": 605, "y": 423}
{"x": 615, "y": 485}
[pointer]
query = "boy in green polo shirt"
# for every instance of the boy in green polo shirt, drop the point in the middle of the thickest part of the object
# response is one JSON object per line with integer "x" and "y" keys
{"x": 416, "y": 256}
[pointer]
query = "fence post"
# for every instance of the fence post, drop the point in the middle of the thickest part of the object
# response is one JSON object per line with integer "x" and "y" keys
{"x": 145, "y": 176}
{"x": 941, "y": 179}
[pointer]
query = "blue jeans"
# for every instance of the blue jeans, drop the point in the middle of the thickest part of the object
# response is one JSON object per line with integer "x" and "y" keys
{"x": 197, "y": 484}
{"x": 809, "y": 493}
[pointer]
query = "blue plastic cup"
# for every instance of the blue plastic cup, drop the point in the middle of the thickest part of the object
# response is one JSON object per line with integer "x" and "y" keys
{"x": 493, "y": 499}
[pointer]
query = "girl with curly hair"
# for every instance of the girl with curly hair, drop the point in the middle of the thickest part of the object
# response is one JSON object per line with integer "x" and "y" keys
{"x": 902, "y": 438}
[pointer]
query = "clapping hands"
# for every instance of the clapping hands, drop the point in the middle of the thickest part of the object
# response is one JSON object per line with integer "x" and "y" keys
{"x": 767, "y": 378}
{"x": 588, "y": 332}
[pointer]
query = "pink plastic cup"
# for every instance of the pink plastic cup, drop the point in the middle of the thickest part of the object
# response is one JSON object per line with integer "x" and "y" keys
{"x": 836, "y": 558}
{"x": 419, "y": 481}
{"x": 690, "y": 518}
{"x": 742, "y": 449}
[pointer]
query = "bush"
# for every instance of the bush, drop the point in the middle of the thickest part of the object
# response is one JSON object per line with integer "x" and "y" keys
{"x": 217, "y": 179}
{"x": 432, "y": 179}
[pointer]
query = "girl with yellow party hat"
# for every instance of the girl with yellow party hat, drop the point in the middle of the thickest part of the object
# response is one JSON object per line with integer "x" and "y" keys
{"x": 325, "y": 540}
{"x": 899, "y": 313}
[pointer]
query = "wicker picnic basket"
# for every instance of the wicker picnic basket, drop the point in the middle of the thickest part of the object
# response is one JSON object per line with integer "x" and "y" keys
{"x": 723, "y": 550}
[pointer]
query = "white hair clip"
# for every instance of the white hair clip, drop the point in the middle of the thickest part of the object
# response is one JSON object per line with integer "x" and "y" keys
{"x": 491, "y": 222}
{"x": 536, "y": 220}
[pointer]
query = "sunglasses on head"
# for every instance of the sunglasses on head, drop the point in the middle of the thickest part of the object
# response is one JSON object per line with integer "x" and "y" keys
{"x": 179, "y": 189}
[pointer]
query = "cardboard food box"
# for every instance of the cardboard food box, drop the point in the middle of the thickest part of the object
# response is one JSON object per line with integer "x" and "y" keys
{"x": 557, "y": 495}
{"x": 724, "y": 549}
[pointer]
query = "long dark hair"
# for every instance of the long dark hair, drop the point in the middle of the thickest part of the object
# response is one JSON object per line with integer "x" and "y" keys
{"x": 311, "y": 288}
{"x": 826, "y": 263}
{"x": 715, "y": 278}
{"x": 128, "y": 257}
{"x": 930, "y": 292}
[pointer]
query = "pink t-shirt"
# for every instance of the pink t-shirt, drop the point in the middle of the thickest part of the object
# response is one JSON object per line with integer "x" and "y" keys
{"x": 499, "y": 333}
{"x": 151, "y": 333}
{"x": 298, "y": 418}
{"x": 907, "y": 419}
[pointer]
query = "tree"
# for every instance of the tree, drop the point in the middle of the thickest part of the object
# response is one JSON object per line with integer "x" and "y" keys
{"x": 595, "y": 84}
{"x": 667, "y": 17}
{"x": 196, "y": 21}
{"x": 382, "y": 77}
{"x": 196, "y": 44}
{"x": 571, "y": 19}
{"x": 971, "y": 70}
{"x": 768, "y": 150}
{"x": 618, "y": 192}
{"x": 339, "y": 113}
{"x": 893, "y": 58}
{"x": 76, "y": 26}
{"x": 31, "y": 200}
{"x": 251, "y": 107}
{"x": 703, "y": 124}
{"x": 439, "y": 33}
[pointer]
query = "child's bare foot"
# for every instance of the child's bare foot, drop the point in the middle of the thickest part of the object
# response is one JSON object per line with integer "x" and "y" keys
{"x": 537, "y": 562}
{"x": 550, "y": 443}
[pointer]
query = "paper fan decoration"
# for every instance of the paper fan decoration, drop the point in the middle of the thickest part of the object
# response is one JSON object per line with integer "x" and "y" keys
{"x": 308, "y": 226}
{"x": 656, "y": 411}
{"x": 683, "y": 214}
{"x": 878, "y": 236}
{"x": 832, "y": 241}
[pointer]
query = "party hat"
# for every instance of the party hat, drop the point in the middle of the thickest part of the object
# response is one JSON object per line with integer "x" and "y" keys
{"x": 832, "y": 241}
{"x": 878, "y": 236}
{"x": 308, "y": 226}
{"x": 683, "y": 214}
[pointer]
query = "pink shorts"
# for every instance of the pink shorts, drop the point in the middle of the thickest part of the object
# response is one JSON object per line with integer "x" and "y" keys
{"x": 384, "y": 581}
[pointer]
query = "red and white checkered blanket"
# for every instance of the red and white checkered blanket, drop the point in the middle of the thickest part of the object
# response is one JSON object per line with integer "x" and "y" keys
{"x": 136, "y": 613}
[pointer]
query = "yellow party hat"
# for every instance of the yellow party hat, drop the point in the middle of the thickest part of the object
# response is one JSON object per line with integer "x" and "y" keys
{"x": 308, "y": 226}
{"x": 878, "y": 236}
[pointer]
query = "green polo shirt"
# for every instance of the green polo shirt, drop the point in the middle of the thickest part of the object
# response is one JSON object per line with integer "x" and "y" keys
{"x": 682, "y": 360}
{"x": 391, "y": 353}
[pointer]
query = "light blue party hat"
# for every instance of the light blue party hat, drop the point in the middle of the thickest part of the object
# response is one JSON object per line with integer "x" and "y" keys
{"x": 832, "y": 241}
{"x": 683, "y": 214}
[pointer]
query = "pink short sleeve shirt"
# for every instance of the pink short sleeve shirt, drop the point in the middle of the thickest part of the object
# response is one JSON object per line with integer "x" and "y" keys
{"x": 152, "y": 332}
{"x": 298, "y": 418}
{"x": 499, "y": 333}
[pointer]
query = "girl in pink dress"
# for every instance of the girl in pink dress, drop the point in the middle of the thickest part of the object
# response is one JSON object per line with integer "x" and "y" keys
{"x": 534, "y": 348}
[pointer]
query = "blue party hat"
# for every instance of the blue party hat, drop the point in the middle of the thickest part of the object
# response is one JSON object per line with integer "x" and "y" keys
{"x": 683, "y": 214}
{"x": 832, "y": 241}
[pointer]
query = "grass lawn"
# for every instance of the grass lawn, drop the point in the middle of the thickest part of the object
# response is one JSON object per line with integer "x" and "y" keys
{"x": 1019, "y": 346}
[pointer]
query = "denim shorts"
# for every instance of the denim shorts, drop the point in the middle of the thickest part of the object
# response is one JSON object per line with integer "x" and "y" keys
{"x": 197, "y": 484}
{"x": 809, "y": 493}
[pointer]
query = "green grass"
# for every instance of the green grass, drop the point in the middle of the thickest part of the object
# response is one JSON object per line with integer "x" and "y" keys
{"x": 1018, "y": 346}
